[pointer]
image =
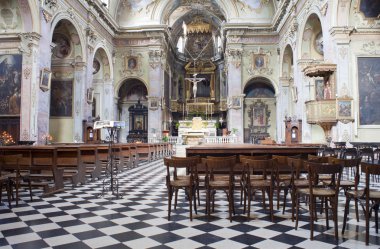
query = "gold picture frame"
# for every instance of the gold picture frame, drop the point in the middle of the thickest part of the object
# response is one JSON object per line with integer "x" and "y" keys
{"x": 236, "y": 102}
{"x": 131, "y": 63}
{"x": 345, "y": 109}
{"x": 259, "y": 61}
{"x": 45, "y": 79}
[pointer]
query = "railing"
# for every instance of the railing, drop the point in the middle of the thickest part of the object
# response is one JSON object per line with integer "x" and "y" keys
{"x": 206, "y": 140}
{"x": 170, "y": 140}
{"x": 221, "y": 140}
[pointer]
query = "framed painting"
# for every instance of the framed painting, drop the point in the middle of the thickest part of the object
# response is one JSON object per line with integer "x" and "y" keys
{"x": 259, "y": 118}
{"x": 344, "y": 108}
{"x": 45, "y": 79}
{"x": 61, "y": 98}
{"x": 131, "y": 63}
{"x": 90, "y": 95}
{"x": 259, "y": 61}
{"x": 369, "y": 8}
{"x": 153, "y": 103}
{"x": 139, "y": 122}
{"x": 10, "y": 84}
{"x": 236, "y": 102}
{"x": 319, "y": 88}
{"x": 369, "y": 92}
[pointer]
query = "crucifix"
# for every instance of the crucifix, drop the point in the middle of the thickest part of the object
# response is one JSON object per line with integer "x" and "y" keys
{"x": 195, "y": 81}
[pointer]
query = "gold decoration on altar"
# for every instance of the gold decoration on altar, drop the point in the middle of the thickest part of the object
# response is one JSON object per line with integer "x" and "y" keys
{"x": 198, "y": 26}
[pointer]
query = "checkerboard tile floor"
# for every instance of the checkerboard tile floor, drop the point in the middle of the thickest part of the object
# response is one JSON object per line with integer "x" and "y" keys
{"x": 79, "y": 218}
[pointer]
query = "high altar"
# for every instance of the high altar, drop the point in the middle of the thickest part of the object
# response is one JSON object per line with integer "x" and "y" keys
{"x": 193, "y": 131}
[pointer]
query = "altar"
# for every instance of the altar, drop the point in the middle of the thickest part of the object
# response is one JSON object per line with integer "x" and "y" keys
{"x": 194, "y": 131}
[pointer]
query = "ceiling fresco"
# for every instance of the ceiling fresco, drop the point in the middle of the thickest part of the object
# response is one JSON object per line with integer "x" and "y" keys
{"x": 132, "y": 13}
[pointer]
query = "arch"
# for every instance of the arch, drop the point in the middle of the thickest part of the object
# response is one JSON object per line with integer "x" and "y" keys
{"x": 98, "y": 46}
{"x": 133, "y": 90}
{"x": 102, "y": 50}
{"x": 265, "y": 78}
{"x": 287, "y": 62}
{"x": 314, "y": 10}
{"x": 311, "y": 29}
{"x": 30, "y": 15}
{"x": 251, "y": 88}
{"x": 64, "y": 16}
{"x": 119, "y": 84}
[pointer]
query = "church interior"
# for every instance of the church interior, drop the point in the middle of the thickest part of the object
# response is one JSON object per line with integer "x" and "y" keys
{"x": 169, "y": 78}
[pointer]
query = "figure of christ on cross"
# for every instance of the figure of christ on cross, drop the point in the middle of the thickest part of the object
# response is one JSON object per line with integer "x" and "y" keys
{"x": 195, "y": 81}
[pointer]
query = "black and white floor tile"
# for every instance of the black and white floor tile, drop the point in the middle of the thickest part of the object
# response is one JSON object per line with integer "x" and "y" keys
{"x": 79, "y": 218}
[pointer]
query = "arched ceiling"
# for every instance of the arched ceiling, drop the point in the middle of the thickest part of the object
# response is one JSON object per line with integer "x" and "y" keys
{"x": 137, "y": 13}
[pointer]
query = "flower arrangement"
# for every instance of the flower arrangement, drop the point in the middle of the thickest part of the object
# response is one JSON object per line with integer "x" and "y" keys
{"x": 6, "y": 138}
{"x": 47, "y": 138}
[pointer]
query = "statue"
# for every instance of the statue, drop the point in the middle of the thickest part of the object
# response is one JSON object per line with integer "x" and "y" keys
{"x": 195, "y": 81}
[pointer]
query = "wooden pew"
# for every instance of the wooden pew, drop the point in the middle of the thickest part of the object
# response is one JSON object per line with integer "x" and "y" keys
{"x": 134, "y": 154}
{"x": 40, "y": 161}
{"x": 88, "y": 157}
{"x": 68, "y": 159}
{"x": 103, "y": 156}
{"x": 127, "y": 156}
{"x": 44, "y": 169}
{"x": 144, "y": 151}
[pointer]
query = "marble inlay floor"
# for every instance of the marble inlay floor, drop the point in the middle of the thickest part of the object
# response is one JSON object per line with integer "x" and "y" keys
{"x": 77, "y": 218}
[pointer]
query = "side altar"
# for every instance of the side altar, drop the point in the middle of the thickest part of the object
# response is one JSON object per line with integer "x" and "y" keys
{"x": 195, "y": 130}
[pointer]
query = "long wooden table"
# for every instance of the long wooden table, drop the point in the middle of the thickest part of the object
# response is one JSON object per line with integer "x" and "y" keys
{"x": 250, "y": 149}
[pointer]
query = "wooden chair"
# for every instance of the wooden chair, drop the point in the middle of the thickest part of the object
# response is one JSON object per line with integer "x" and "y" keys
{"x": 197, "y": 179}
{"x": 241, "y": 158}
{"x": 174, "y": 182}
{"x": 367, "y": 154}
{"x": 326, "y": 192}
{"x": 282, "y": 176}
{"x": 220, "y": 176}
{"x": 367, "y": 197}
{"x": 12, "y": 175}
{"x": 350, "y": 153}
{"x": 297, "y": 181}
{"x": 265, "y": 183}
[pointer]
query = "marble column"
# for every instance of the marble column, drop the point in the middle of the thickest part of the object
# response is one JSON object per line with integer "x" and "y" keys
{"x": 344, "y": 86}
{"x": 156, "y": 74}
{"x": 30, "y": 87}
{"x": 234, "y": 87}
{"x": 80, "y": 98}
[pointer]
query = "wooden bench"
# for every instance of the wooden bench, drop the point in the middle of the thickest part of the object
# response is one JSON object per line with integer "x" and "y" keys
{"x": 127, "y": 156}
{"x": 68, "y": 160}
{"x": 88, "y": 157}
{"x": 145, "y": 151}
{"x": 44, "y": 171}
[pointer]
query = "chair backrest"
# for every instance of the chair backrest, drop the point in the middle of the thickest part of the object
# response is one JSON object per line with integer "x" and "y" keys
{"x": 282, "y": 164}
{"x": 178, "y": 163}
{"x": 367, "y": 154}
{"x": 220, "y": 165}
{"x": 261, "y": 157}
{"x": 329, "y": 152}
{"x": 350, "y": 153}
{"x": 317, "y": 169}
{"x": 10, "y": 162}
{"x": 281, "y": 160}
{"x": 353, "y": 164}
{"x": 369, "y": 169}
{"x": 298, "y": 167}
{"x": 265, "y": 168}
